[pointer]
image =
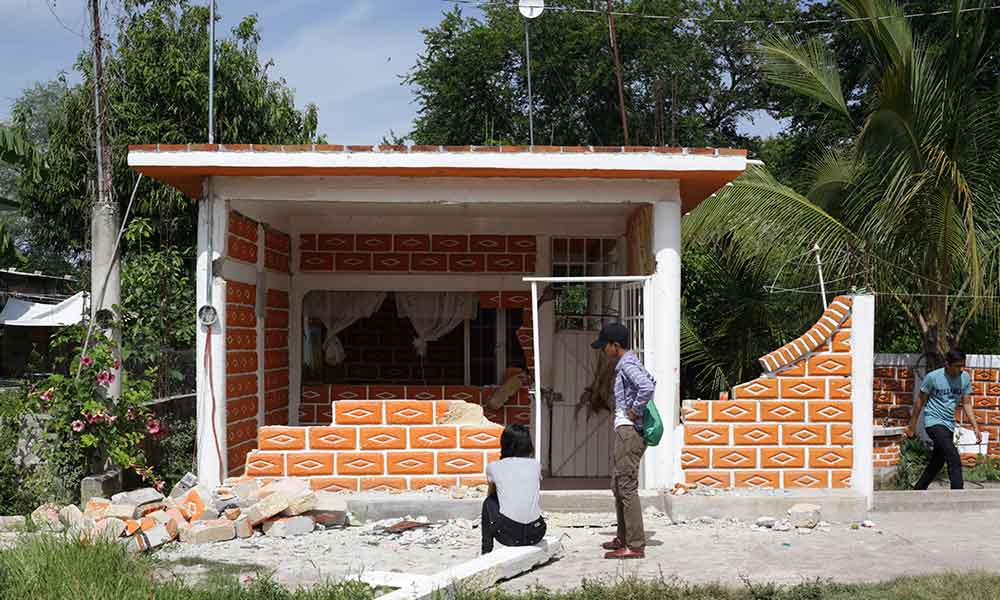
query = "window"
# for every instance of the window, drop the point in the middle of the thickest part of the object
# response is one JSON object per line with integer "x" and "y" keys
{"x": 379, "y": 349}
{"x": 578, "y": 305}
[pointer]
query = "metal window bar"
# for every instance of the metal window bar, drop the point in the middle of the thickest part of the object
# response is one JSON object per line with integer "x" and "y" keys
{"x": 638, "y": 342}
{"x": 585, "y": 257}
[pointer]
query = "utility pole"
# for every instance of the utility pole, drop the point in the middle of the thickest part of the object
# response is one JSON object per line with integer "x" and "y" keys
{"x": 673, "y": 114}
{"x": 658, "y": 114}
{"x": 105, "y": 282}
{"x": 618, "y": 71}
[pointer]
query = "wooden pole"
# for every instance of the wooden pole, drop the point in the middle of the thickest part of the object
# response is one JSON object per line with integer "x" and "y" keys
{"x": 618, "y": 72}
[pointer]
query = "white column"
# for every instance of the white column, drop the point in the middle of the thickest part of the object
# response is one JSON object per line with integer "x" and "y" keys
{"x": 211, "y": 433}
{"x": 544, "y": 330}
{"x": 662, "y": 315}
{"x": 862, "y": 369}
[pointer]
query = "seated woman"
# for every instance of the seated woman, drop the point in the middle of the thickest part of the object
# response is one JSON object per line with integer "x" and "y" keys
{"x": 512, "y": 513}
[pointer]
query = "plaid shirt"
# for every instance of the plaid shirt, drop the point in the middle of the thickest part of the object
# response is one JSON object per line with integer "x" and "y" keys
{"x": 633, "y": 389}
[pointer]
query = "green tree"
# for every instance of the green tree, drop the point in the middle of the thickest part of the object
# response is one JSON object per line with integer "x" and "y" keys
{"x": 157, "y": 91}
{"x": 909, "y": 204}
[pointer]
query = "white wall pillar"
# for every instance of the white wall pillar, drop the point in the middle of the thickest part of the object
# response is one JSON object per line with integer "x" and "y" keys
{"x": 662, "y": 315}
{"x": 862, "y": 372}
{"x": 211, "y": 433}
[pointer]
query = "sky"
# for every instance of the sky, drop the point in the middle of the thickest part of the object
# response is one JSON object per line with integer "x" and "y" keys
{"x": 346, "y": 56}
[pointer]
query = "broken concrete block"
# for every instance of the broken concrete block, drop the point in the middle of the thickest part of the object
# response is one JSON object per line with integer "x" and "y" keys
{"x": 206, "y": 532}
{"x": 330, "y": 510}
{"x": 231, "y": 513}
{"x": 193, "y": 504}
{"x": 120, "y": 511}
{"x": 138, "y": 497}
{"x": 245, "y": 488}
{"x": 46, "y": 518}
{"x": 267, "y": 508}
{"x": 107, "y": 530}
{"x": 184, "y": 485}
{"x": 209, "y": 514}
{"x": 71, "y": 516}
{"x": 95, "y": 507}
{"x": 150, "y": 507}
{"x": 102, "y": 485}
{"x": 767, "y": 522}
{"x": 132, "y": 526}
{"x": 148, "y": 539}
{"x": 12, "y": 523}
{"x": 287, "y": 487}
{"x": 243, "y": 528}
{"x": 288, "y": 526}
{"x": 804, "y": 515}
{"x": 300, "y": 503}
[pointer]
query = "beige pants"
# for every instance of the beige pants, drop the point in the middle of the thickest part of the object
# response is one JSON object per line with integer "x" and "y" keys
{"x": 628, "y": 450}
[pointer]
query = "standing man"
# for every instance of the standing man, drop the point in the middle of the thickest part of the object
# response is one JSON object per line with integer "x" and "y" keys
{"x": 633, "y": 388}
{"x": 940, "y": 393}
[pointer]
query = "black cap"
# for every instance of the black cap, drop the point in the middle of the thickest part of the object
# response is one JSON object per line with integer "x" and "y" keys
{"x": 610, "y": 333}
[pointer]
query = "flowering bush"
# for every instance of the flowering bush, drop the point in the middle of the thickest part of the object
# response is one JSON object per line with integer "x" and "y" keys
{"x": 92, "y": 426}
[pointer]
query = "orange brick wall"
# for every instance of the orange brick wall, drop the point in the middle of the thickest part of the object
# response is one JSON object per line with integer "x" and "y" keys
{"x": 789, "y": 428}
{"x": 378, "y": 445}
{"x": 242, "y": 398}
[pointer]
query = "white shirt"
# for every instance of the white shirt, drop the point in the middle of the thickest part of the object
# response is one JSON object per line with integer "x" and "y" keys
{"x": 518, "y": 482}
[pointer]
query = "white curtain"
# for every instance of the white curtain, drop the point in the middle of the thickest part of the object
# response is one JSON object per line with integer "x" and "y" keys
{"x": 338, "y": 311}
{"x": 435, "y": 314}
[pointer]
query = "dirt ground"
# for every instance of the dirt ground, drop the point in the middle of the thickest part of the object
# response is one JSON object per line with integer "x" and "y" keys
{"x": 724, "y": 551}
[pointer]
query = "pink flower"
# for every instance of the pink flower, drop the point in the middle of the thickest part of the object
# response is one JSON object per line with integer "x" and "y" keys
{"x": 159, "y": 485}
{"x": 104, "y": 378}
{"x": 118, "y": 363}
{"x": 111, "y": 419}
{"x": 77, "y": 425}
{"x": 153, "y": 426}
{"x": 130, "y": 415}
{"x": 111, "y": 377}
{"x": 47, "y": 395}
{"x": 86, "y": 361}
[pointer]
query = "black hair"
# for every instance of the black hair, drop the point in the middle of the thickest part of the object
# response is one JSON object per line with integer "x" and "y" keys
{"x": 954, "y": 356}
{"x": 515, "y": 442}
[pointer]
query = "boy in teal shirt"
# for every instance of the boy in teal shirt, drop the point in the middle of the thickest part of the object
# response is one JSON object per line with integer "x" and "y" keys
{"x": 940, "y": 393}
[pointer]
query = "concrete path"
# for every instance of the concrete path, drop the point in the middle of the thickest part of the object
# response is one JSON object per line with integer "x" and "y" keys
{"x": 912, "y": 543}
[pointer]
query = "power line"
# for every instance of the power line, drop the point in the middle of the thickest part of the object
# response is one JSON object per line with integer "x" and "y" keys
{"x": 712, "y": 20}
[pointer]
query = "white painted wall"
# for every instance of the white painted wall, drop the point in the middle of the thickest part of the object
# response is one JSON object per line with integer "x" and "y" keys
{"x": 862, "y": 365}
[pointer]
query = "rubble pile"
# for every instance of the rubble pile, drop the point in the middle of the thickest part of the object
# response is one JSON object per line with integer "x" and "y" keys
{"x": 145, "y": 519}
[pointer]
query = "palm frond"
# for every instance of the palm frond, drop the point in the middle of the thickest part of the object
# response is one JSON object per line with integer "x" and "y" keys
{"x": 16, "y": 151}
{"x": 695, "y": 353}
{"x": 885, "y": 29}
{"x": 806, "y": 66}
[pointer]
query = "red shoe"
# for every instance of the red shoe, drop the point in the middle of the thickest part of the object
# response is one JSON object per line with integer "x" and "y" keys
{"x": 615, "y": 544}
{"x": 626, "y": 553}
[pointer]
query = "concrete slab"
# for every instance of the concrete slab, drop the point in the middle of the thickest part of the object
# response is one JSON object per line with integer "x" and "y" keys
{"x": 478, "y": 573}
{"x": 835, "y": 505}
{"x": 947, "y": 501}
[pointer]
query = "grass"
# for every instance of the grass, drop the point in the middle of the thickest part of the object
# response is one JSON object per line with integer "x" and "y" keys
{"x": 49, "y": 568}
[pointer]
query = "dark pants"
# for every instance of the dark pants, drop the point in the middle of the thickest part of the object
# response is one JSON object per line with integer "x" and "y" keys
{"x": 629, "y": 446}
{"x": 944, "y": 452}
{"x": 508, "y": 532}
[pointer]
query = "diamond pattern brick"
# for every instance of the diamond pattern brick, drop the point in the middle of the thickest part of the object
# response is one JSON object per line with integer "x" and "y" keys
{"x": 383, "y": 438}
{"x": 795, "y": 387}
{"x": 429, "y": 263}
{"x": 829, "y": 364}
{"x": 505, "y": 263}
{"x": 424, "y": 393}
{"x": 411, "y": 243}
{"x": 782, "y": 410}
{"x": 240, "y": 316}
{"x": 445, "y": 483}
{"x": 241, "y": 409}
{"x": 351, "y": 412}
{"x": 693, "y": 411}
{"x": 337, "y": 242}
{"x": 734, "y": 410}
{"x": 841, "y": 434}
{"x": 391, "y": 263}
{"x": 309, "y": 464}
{"x": 758, "y": 388}
{"x": 449, "y": 243}
{"x": 440, "y": 437}
{"x": 467, "y": 263}
{"x": 352, "y": 261}
{"x": 841, "y": 341}
{"x": 241, "y": 226}
{"x": 241, "y": 339}
{"x": 404, "y": 412}
{"x": 460, "y": 463}
{"x": 242, "y": 431}
{"x": 411, "y": 463}
{"x": 695, "y": 458}
{"x": 265, "y": 464}
{"x": 517, "y": 415}
{"x": 242, "y": 250}
{"x": 702, "y": 435}
{"x": 282, "y": 438}
{"x": 831, "y": 458}
{"x": 713, "y": 479}
{"x": 782, "y": 458}
{"x": 316, "y": 394}
{"x": 830, "y": 410}
{"x": 488, "y": 243}
{"x": 360, "y": 463}
{"x": 486, "y": 438}
{"x": 527, "y": 244}
{"x": 241, "y": 293}
{"x": 241, "y": 362}
{"x": 348, "y": 392}
{"x": 386, "y": 392}
{"x": 334, "y": 484}
{"x": 275, "y": 380}
{"x": 464, "y": 393}
{"x": 755, "y": 435}
{"x": 803, "y": 435}
{"x": 764, "y": 480}
{"x": 987, "y": 375}
{"x": 383, "y": 484}
{"x": 241, "y": 385}
{"x": 840, "y": 479}
{"x": 806, "y": 479}
{"x": 840, "y": 388}
{"x": 333, "y": 438}
{"x": 734, "y": 458}
{"x": 373, "y": 242}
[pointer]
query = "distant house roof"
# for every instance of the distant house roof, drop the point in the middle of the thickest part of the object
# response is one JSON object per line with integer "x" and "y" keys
{"x": 699, "y": 171}
{"x": 35, "y": 275}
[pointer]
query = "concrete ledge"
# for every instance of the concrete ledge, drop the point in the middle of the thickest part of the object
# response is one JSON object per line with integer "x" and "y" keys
{"x": 591, "y": 501}
{"x": 434, "y": 508}
{"x": 837, "y": 505}
{"x": 968, "y": 500}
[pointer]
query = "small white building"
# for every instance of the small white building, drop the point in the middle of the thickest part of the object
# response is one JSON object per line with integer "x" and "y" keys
{"x": 358, "y": 289}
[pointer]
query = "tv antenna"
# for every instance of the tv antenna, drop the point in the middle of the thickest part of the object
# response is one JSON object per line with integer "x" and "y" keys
{"x": 529, "y": 10}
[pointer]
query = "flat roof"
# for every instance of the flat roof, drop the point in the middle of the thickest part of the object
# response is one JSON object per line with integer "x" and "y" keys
{"x": 700, "y": 171}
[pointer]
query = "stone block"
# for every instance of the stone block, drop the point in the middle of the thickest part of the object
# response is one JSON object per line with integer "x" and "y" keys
{"x": 232, "y": 513}
{"x": 194, "y": 503}
{"x": 330, "y": 510}
{"x": 46, "y": 518}
{"x": 150, "y": 507}
{"x": 102, "y": 485}
{"x": 245, "y": 489}
{"x": 107, "y": 530}
{"x": 95, "y": 507}
{"x": 804, "y": 515}
{"x": 138, "y": 497}
{"x": 183, "y": 486}
{"x": 209, "y": 514}
{"x": 300, "y": 504}
{"x": 288, "y": 526}
{"x": 148, "y": 539}
{"x": 287, "y": 487}
{"x": 206, "y": 532}
{"x": 71, "y": 516}
{"x": 267, "y": 508}
{"x": 120, "y": 511}
{"x": 12, "y": 523}
{"x": 243, "y": 528}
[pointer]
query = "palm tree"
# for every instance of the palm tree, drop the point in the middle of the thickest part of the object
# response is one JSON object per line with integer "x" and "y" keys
{"x": 909, "y": 206}
{"x": 17, "y": 152}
